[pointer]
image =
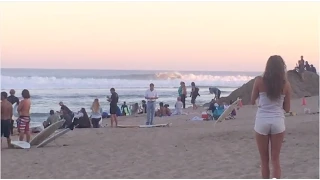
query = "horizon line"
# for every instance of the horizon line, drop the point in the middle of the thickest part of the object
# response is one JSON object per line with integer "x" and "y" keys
{"x": 132, "y": 70}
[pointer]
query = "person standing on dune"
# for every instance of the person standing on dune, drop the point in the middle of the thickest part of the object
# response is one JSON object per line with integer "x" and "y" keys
{"x": 273, "y": 90}
{"x": 151, "y": 97}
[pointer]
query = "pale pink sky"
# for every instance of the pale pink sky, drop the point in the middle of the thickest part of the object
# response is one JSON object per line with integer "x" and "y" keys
{"x": 237, "y": 36}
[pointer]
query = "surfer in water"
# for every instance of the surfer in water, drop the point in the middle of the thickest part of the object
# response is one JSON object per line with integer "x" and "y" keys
{"x": 216, "y": 92}
{"x": 24, "y": 116}
{"x": 12, "y": 99}
{"x": 273, "y": 90}
{"x": 6, "y": 115}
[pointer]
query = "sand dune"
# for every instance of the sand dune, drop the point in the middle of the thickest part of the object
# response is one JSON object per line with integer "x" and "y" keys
{"x": 188, "y": 149}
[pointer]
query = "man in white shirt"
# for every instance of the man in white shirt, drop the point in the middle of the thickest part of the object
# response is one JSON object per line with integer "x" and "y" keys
{"x": 151, "y": 97}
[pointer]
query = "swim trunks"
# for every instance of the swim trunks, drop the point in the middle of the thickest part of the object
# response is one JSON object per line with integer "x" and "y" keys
{"x": 5, "y": 128}
{"x": 23, "y": 123}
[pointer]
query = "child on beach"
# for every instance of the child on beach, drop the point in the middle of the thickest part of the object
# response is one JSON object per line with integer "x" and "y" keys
{"x": 194, "y": 94}
{"x": 178, "y": 107}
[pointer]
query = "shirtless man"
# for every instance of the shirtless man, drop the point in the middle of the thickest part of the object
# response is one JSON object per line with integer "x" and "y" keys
{"x": 24, "y": 116}
{"x": 6, "y": 116}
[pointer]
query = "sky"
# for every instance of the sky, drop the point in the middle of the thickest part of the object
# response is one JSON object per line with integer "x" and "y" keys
{"x": 208, "y": 36}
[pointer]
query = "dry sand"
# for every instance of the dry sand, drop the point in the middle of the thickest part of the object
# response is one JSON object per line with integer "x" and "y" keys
{"x": 188, "y": 149}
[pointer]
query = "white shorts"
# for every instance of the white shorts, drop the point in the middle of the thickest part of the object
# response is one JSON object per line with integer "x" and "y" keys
{"x": 266, "y": 126}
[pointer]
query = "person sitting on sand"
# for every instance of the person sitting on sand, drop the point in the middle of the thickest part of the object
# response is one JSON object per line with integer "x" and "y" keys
{"x": 167, "y": 110}
{"x": 234, "y": 112}
{"x": 307, "y": 66}
{"x": 274, "y": 91}
{"x": 313, "y": 69}
{"x": 135, "y": 108}
{"x": 178, "y": 107}
{"x": 82, "y": 119}
{"x": 53, "y": 118}
{"x": 6, "y": 115}
{"x": 162, "y": 111}
{"x": 96, "y": 113}
{"x": 218, "y": 111}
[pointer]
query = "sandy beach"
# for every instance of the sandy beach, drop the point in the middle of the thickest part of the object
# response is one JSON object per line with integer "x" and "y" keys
{"x": 187, "y": 149}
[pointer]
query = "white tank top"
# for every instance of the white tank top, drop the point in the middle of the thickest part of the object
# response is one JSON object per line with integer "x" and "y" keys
{"x": 270, "y": 108}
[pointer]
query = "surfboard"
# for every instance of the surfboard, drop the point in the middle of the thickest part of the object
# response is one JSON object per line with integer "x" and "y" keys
{"x": 145, "y": 126}
{"x": 127, "y": 126}
{"x": 53, "y": 137}
{"x": 228, "y": 111}
{"x": 15, "y": 114}
{"x": 155, "y": 125}
{"x": 20, "y": 144}
{"x": 46, "y": 133}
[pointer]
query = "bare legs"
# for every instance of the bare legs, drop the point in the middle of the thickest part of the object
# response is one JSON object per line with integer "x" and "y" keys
{"x": 263, "y": 147}
{"x": 194, "y": 106}
{"x": 114, "y": 119}
{"x": 21, "y": 136}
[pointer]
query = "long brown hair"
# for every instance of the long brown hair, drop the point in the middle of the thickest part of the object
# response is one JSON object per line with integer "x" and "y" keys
{"x": 95, "y": 106}
{"x": 274, "y": 77}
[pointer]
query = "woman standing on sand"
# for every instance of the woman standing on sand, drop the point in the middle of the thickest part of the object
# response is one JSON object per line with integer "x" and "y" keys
{"x": 273, "y": 90}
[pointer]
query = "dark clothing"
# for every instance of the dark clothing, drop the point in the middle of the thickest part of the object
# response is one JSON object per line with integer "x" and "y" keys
{"x": 313, "y": 69}
{"x": 183, "y": 100}
{"x": 11, "y": 127}
{"x": 144, "y": 107}
{"x": 113, "y": 103}
{"x": 65, "y": 109}
{"x": 5, "y": 128}
{"x": 218, "y": 95}
{"x": 212, "y": 107}
{"x": 114, "y": 99}
{"x": 123, "y": 109}
{"x": 194, "y": 94}
{"x": 68, "y": 119}
{"x": 12, "y": 99}
{"x": 113, "y": 109}
{"x": 83, "y": 122}
{"x": 95, "y": 122}
{"x": 307, "y": 66}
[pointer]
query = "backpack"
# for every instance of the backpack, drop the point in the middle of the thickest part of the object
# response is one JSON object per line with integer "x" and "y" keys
{"x": 196, "y": 91}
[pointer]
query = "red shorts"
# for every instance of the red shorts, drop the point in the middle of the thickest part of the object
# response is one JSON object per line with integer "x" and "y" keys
{"x": 23, "y": 123}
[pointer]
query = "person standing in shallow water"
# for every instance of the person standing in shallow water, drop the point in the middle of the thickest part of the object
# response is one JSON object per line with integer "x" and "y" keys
{"x": 151, "y": 97}
{"x": 273, "y": 90}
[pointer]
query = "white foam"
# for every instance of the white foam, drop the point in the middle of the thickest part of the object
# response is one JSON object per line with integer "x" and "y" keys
{"x": 36, "y": 82}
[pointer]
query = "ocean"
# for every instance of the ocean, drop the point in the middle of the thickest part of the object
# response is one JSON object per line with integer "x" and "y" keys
{"x": 78, "y": 88}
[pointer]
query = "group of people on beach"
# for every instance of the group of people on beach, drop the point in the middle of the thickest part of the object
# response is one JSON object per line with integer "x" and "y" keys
{"x": 303, "y": 66}
{"x": 272, "y": 90}
{"x": 7, "y": 111}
